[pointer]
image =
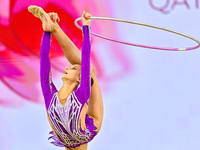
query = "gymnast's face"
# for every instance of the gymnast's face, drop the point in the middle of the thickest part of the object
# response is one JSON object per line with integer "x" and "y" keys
{"x": 72, "y": 73}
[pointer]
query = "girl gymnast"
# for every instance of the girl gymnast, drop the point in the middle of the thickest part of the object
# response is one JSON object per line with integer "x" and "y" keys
{"x": 75, "y": 112}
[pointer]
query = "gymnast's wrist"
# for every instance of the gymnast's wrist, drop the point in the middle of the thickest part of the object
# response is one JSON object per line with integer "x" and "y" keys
{"x": 87, "y": 24}
{"x": 86, "y": 27}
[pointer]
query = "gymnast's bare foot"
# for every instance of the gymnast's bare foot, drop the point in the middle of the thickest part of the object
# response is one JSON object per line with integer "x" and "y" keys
{"x": 47, "y": 19}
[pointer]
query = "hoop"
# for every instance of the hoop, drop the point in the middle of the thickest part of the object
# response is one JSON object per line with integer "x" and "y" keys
{"x": 143, "y": 24}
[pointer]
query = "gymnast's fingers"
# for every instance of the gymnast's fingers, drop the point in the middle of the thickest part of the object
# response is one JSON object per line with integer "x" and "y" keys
{"x": 87, "y": 15}
{"x": 54, "y": 17}
{"x": 50, "y": 15}
{"x": 58, "y": 19}
{"x": 83, "y": 15}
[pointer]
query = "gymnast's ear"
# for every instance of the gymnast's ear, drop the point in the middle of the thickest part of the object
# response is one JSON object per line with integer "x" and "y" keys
{"x": 92, "y": 81}
{"x": 78, "y": 79}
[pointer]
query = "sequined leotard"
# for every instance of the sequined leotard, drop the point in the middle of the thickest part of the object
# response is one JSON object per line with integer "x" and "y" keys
{"x": 65, "y": 118}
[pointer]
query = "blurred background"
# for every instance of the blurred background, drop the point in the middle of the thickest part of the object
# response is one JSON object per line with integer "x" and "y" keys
{"x": 151, "y": 97}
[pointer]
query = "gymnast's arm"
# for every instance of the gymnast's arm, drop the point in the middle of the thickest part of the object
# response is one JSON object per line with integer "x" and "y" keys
{"x": 84, "y": 89}
{"x": 85, "y": 85}
{"x": 48, "y": 88}
{"x": 71, "y": 52}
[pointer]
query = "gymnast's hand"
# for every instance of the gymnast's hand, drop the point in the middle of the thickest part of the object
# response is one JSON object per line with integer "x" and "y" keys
{"x": 86, "y": 18}
{"x": 54, "y": 17}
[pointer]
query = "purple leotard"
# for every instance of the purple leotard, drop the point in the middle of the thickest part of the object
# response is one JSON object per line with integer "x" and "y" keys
{"x": 65, "y": 118}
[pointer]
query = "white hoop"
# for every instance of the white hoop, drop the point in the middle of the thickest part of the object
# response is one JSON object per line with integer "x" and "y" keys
{"x": 143, "y": 24}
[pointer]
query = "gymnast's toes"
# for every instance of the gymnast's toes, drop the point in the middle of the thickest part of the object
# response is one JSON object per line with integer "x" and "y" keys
{"x": 36, "y": 11}
{"x": 44, "y": 17}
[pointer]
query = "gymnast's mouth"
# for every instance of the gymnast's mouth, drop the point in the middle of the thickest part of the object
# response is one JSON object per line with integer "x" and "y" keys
{"x": 65, "y": 72}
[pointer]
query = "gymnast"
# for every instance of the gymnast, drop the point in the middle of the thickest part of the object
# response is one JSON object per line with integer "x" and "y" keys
{"x": 75, "y": 112}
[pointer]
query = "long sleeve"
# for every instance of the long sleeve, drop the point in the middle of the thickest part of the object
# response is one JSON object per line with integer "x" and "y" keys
{"x": 47, "y": 85}
{"x": 84, "y": 89}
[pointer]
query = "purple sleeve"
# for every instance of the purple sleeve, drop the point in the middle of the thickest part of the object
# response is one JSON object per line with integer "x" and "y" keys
{"x": 48, "y": 88}
{"x": 83, "y": 92}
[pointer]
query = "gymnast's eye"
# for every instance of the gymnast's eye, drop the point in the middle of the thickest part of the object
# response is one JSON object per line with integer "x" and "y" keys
{"x": 74, "y": 68}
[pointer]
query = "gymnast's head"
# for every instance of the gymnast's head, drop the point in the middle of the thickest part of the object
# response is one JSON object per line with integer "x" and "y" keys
{"x": 72, "y": 74}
